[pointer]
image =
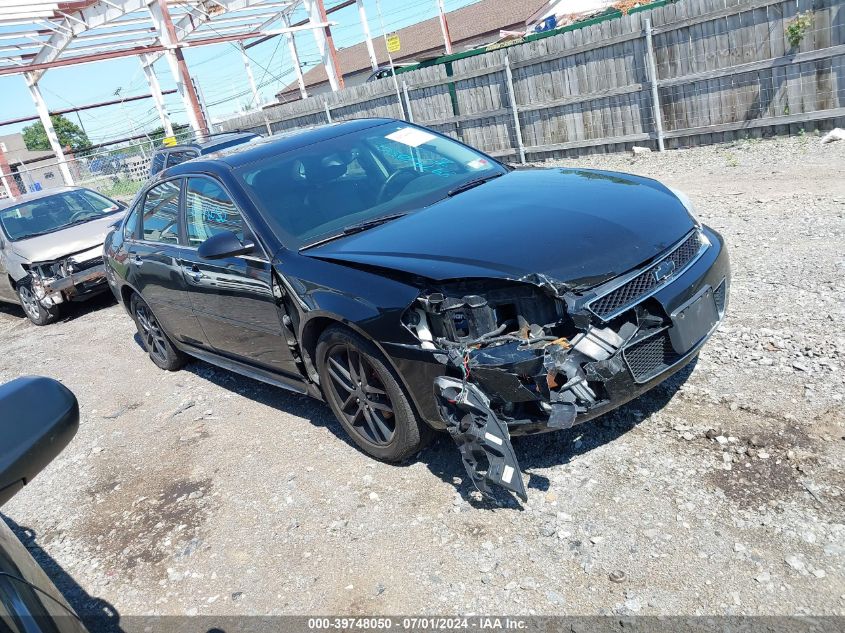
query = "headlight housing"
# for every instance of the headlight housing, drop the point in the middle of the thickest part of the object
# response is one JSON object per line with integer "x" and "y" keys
{"x": 688, "y": 205}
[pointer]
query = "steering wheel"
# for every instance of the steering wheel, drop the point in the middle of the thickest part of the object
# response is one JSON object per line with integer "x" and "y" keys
{"x": 400, "y": 177}
{"x": 78, "y": 214}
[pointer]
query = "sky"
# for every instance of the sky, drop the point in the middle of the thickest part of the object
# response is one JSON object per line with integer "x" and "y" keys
{"x": 218, "y": 69}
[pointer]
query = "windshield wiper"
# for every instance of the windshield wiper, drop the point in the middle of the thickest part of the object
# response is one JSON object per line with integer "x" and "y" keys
{"x": 368, "y": 224}
{"x": 356, "y": 228}
{"x": 38, "y": 234}
{"x": 470, "y": 184}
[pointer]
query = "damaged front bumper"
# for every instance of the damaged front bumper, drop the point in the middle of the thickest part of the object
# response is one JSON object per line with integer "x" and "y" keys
{"x": 73, "y": 278}
{"x": 607, "y": 346}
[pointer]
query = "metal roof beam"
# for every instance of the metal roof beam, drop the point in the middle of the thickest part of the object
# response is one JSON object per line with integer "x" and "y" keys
{"x": 93, "y": 16}
{"x": 185, "y": 26}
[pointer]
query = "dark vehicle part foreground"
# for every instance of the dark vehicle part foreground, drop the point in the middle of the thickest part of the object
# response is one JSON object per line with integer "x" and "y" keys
{"x": 415, "y": 283}
{"x": 38, "y": 418}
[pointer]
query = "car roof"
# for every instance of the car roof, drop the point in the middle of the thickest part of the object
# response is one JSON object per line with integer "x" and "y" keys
{"x": 36, "y": 195}
{"x": 262, "y": 147}
{"x": 210, "y": 142}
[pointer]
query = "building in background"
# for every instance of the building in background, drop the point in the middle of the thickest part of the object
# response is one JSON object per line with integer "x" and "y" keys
{"x": 470, "y": 26}
{"x": 31, "y": 170}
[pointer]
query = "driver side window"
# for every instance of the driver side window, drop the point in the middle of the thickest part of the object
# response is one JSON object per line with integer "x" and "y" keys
{"x": 209, "y": 211}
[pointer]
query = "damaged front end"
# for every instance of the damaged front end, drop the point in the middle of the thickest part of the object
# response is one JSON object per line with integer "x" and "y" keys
{"x": 533, "y": 355}
{"x": 71, "y": 278}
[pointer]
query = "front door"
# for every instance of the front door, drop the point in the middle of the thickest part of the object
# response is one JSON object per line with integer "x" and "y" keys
{"x": 231, "y": 297}
{"x": 155, "y": 268}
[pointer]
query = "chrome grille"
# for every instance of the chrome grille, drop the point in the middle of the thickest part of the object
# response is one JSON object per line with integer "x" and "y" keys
{"x": 635, "y": 289}
{"x": 651, "y": 356}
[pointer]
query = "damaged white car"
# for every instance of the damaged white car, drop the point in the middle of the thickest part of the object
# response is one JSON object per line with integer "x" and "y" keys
{"x": 51, "y": 248}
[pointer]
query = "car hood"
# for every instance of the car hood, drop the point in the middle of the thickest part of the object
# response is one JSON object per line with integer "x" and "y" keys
{"x": 64, "y": 242}
{"x": 575, "y": 227}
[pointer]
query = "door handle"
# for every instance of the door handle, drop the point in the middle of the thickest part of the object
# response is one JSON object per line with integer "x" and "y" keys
{"x": 194, "y": 273}
{"x": 136, "y": 259}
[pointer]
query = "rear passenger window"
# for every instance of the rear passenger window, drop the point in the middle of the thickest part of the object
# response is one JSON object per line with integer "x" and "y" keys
{"x": 180, "y": 156}
{"x": 161, "y": 213}
{"x": 210, "y": 211}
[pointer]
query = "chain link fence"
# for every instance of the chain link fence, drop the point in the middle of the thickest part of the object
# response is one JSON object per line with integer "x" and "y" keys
{"x": 118, "y": 171}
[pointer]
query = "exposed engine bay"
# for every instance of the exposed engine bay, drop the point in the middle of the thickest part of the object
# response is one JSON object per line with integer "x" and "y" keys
{"x": 69, "y": 278}
{"x": 530, "y": 356}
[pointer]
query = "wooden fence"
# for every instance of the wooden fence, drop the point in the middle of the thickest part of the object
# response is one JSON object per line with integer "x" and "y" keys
{"x": 713, "y": 70}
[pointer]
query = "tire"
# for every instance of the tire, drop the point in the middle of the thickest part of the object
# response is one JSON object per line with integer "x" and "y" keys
{"x": 32, "y": 307}
{"x": 359, "y": 406}
{"x": 156, "y": 343}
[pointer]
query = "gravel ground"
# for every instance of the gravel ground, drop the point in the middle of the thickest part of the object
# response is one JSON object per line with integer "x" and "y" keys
{"x": 721, "y": 492}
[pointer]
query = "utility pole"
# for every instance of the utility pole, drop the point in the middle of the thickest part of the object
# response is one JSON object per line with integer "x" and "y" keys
{"x": 362, "y": 14}
{"x": 390, "y": 59}
{"x": 444, "y": 27}
{"x": 176, "y": 60}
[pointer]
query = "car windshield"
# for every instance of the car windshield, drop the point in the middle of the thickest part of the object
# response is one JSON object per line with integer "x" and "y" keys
{"x": 53, "y": 213}
{"x": 323, "y": 190}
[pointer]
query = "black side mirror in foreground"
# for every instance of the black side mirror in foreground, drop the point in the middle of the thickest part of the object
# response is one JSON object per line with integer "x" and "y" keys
{"x": 224, "y": 244}
{"x": 38, "y": 418}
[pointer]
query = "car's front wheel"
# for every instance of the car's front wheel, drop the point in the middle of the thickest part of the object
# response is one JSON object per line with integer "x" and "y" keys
{"x": 33, "y": 308}
{"x": 366, "y": 397}
{"x": 161, "y": 350}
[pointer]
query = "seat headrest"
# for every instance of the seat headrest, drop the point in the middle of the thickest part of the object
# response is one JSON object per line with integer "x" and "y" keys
{"x": 320, "y": 169}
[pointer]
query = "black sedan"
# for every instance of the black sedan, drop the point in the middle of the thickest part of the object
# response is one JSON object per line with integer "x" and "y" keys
{"x": 415, "y": 283}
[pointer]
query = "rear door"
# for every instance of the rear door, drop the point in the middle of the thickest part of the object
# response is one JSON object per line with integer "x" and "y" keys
{"x": 232, "y": 297}
{"x": 154, "y": 267}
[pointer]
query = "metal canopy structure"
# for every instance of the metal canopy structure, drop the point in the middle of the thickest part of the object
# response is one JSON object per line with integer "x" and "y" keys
{"x": 37, "y": 35}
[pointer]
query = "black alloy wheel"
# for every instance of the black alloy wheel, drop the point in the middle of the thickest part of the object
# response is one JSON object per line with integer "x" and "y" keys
{"x": 359, "y": 390}
{"x": 155, "y": 341}
{"x": 367, "y": 398}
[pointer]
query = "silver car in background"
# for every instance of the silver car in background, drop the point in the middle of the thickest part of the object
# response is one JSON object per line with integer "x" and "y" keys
{"x": 51, "y": 248}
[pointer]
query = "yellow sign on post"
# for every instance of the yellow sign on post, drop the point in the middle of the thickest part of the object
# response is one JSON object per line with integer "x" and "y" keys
{"x": 169, "y": 141}
{"x": 393, "y": 43}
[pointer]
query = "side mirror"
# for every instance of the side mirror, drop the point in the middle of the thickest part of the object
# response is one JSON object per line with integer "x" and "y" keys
{"x": 224, "y": 244}
{"x": 38, "y": 418}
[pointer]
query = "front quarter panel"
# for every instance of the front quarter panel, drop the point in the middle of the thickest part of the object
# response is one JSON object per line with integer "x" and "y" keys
{"x": 369, "y": 302}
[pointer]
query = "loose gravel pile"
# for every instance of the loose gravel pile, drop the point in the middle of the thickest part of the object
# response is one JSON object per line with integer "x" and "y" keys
{"x": 720, "y": 492}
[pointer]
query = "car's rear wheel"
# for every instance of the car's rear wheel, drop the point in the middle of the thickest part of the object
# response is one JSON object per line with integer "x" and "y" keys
{"x": 161, "y": 350}
{"x": 32, "y": 307}
{"x": 366, "y": 397}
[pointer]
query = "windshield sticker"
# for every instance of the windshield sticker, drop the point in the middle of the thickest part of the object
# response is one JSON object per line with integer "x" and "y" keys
{"x": 410, "y": 136}
{"x": 478, "y": 163}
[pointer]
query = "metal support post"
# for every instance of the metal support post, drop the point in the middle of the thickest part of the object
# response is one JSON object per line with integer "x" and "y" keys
{"x": 512, "y": 98}
{"x": 652, "y": 78}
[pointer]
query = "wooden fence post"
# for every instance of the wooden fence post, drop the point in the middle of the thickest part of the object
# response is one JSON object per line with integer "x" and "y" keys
{"x": 408, "y": 101}
{"x": 657, "y": 113}
{"x": 512, "y": 98}
{"x": 328, "y": 112}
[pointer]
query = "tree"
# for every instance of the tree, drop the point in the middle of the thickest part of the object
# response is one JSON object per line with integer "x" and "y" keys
{"x": 69, "y": 133}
